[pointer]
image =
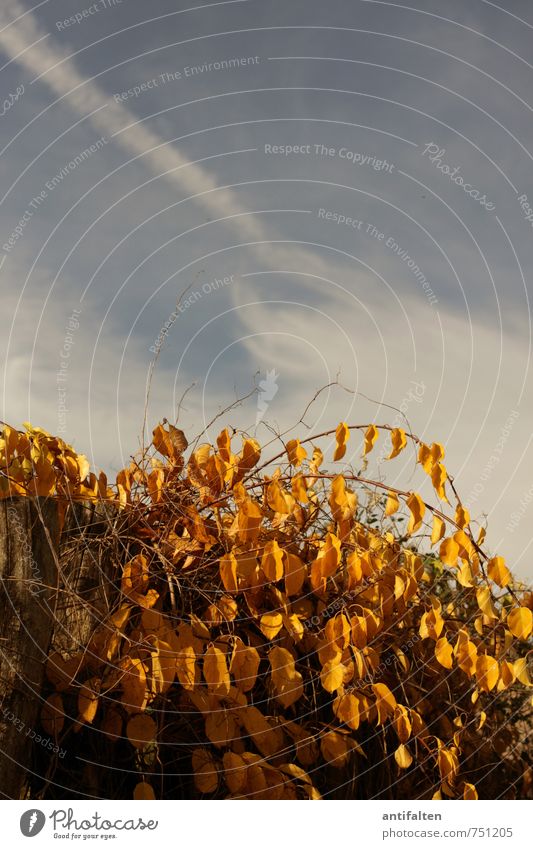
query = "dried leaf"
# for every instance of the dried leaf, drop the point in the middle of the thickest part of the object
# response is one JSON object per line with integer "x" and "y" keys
{"x": 398, "y": 442}
{"x": 205, "y": 770}
{"x": 141, "y": 730}
{"x": 342, "y": 436}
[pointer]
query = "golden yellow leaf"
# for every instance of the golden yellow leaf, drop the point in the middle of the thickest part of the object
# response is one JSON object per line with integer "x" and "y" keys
{"x": 498, "y": 571}
{"x": 439, "y": 529}
{"x": 267, "y": 739}
{"x": 487, "y": 672}
{"x": 278, "y": 498}
{"x": 520, "y": 622}
{"x": 244, "y": 665}
{"x": 141, "y": 730}
{"x": 432, "y": 623}
{"x": 437, "y": 452}
{"x": 249, "y": 520}
{"x": 462, "y": 516}
{"x": 171, "y": 443}
{"x": 392, "y": 505}
{"x": 332, "y": 675}
{"x": 216, "y": 672}
{"x": 133, "y": 681}
{"x": 163, "y": 662}
{"x": 448, "y": 764}
{"x": 469, "y": 791}
{"x": 316, "y": 460}
{"x": 507, "y": 675}
{"x": 347, "y": 710}
{"x": 249, "y": 457}
{"x": 439, "y": 476}
{"x": 135, "y": 576}
{"x": 342, "y": 436}
{"x": 385, "y": 702}
{"x": 417, "y": 509}
{"x": 272, "y": 561}
{"x": 425, "y": 457}
{"x": 293, "y": 625}
{"x": 398, "y": 442}
{"x": 521, "y": 671}
{"x": 295, "y": 573}
{"x": 224, "y": 445}
{"x": 271, "y": 624}
{"x": 295, "y": 452}
{"x": 343, "y": 502}
{"x": 484, "y": 600}
{"x": 228, "y": 572}
{"x": 466, "y": 653}
{"x": 287, "y": 681}
{"x": 299, "y": 488}
{"x": 186, "y": 666}
{"x": 402, "y": 723}
{"x": 330, "y": 555}
{"x": 449, "y": 551}
{"x": 444, "y": 653}
{"x": 371, "y": 436}
{"x": 403, "y": 757}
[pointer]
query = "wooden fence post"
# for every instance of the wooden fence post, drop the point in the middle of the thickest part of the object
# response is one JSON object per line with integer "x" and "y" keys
{"x": 28, "y": 571}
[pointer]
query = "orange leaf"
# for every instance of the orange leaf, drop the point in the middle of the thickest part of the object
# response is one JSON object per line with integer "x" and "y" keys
{"x": 228, "y": 572}
{"x": 141, "y": 730}
{"x": 371, "y": 436}
{"x": 143, "y": 790}
{"x": 342, "y": 436}
{"x": 216, "y": 672}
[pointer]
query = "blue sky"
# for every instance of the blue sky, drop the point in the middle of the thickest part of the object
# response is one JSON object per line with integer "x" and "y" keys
{"x": 343, "y": 190}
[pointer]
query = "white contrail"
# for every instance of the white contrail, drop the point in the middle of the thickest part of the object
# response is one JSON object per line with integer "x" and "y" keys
{"x": 83, "y": 95}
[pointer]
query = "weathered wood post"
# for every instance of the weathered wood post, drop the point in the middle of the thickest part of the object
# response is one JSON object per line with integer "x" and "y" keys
{"x": 28, "y": 574}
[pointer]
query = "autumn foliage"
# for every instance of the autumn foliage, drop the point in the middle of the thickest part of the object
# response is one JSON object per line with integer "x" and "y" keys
{"x": 284, "y": 627}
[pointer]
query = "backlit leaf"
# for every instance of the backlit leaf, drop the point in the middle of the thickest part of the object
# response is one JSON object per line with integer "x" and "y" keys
{"x": 228, "y": 572}
{"x": 398, "y": 442}
{"x": 272, "y": 562}
{"x": 342, "y": 436}
{"x": 417, "y": 509}
{"x": 520, "y": 622}
{"x": 295, "y": 452}
{"x": 444, "y": 653}
{"x": 439, "y": 529}
{"x": 295, "y": 573}
{"x": 487, "y": 672}
{"x": 216, "y": 671}
{"x": 403, "y": 756}
{"x": 271, "y": 624}
{"x": 371, "y": 435}
{"x": 498, "y": 571}
{"x": 287, "y": 681}
{"x": 392, "y": 505}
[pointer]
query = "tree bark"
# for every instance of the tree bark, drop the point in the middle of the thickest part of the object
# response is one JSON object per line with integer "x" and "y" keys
{"x": 28, "y": 573}
{"x": 53, "y": 593}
